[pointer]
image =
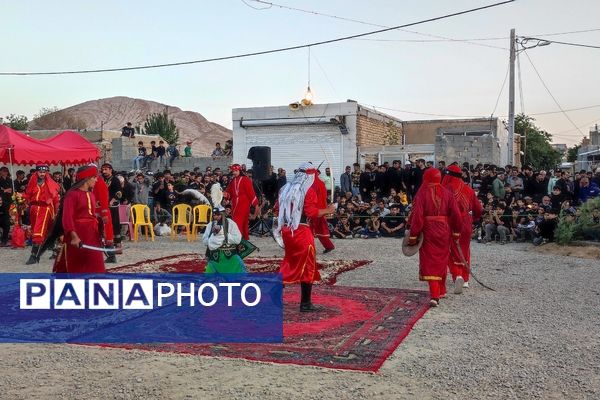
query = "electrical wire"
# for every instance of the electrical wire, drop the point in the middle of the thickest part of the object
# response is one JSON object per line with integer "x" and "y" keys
{"x": 323, "y": 42}
{"x": 314, "y": 55}
{"x": 550, "y": 93}
{"x": 501, "y": 89}
{"x": 520, "y": 85}
{"x": 423, "y": 113}
{"x": 371, "y": 24}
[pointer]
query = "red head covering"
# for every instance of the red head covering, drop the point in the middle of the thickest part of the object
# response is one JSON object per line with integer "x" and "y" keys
{"x": 431, "y": 181}
{"x": 453, "y": 180}
{"x": 86, "y": 172}
{"x": 455, "y": 169}
{"x": 235, "y": 167}
{"x": 432, "y": 176}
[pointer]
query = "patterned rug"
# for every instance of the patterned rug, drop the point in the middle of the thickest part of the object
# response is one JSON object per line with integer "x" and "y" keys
{"x": 357, "y": 329}
{"x": 193, "y": 263}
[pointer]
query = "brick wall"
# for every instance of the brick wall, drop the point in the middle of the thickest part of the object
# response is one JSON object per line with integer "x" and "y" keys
{"x": 371, "y": 131}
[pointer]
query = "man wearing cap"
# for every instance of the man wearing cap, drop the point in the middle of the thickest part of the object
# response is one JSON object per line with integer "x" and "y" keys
{"x": 435, "y": 215}
{"x": 43, "y": 196}
{"x": 221, "y": 238}
{"x": 115, "y": 194}
{"x": 297, "y": 203}
{"x": 470, "y": 211}
{"x": 241, "y": 193}
{"x": 80, "y": 226}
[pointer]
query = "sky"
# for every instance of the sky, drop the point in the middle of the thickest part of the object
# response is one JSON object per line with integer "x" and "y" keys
{"x": 395, "y": 70}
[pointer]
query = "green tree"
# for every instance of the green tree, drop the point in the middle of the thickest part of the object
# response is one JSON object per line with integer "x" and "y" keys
{"x": 538, "y": 150}
{"x": 17, "y": 122}
{"x": 572, "y": 153}
{"x": 160, "y": 124}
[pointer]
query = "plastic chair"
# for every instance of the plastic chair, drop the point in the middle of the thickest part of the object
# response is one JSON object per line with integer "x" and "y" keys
{"x": 182, "y": 214}
{"x": 202, "y": 216}
{"x": 140, "y": 217}
{"x": 125, "y": 219}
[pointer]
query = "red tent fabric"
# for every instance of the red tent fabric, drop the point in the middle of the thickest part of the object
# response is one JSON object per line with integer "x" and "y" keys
{"x": 83, "y": 151}
{"x": 18, "y": 148}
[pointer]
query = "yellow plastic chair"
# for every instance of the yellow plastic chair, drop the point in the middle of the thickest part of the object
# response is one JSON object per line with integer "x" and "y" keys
{"x": 202, "y": 216}
{"x": 140, "y": 217}
{"x": 182, "y": 214}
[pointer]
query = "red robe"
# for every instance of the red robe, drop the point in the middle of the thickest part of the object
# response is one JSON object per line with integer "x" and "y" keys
{"x": 43, "y": 200}
{"x": 319, "y": 224}
{"x": 102, "y": 209}
{"x": 241, "y": 193}
{"x": 300, "y": 260}
{"x": 470, "y": 210}
{"x": 435, "y": 214}
{"x": 79, "y": 215}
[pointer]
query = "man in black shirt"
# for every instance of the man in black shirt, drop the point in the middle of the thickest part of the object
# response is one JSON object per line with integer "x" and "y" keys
{"x": 393, "y": 224}
{"x": 115, "y": 194}
{"x": 69, "y": 179}
{"x": 21, "y": 182}
{"x": 160, "y": 154}
{"x": 128, "y": 131}
{"x": 6, "y": 188}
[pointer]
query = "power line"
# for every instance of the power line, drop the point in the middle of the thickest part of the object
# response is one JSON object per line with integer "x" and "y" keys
{"x": 550, "y": 93}
{"x": 501, "y": 89}
{"x": 424, "y": 113}
{"x": 570, "y": 109}
{"x": 343, "y": 38}
{"x": 370, "y": 23}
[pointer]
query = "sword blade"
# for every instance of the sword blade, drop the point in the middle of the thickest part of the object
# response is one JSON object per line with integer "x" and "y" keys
{"x": 94, "y": 248}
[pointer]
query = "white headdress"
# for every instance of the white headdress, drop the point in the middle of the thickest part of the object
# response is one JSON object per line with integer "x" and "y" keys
{"x": 291, "y": 196}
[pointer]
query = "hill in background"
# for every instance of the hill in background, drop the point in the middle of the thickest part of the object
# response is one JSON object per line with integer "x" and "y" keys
{"x": 114, "y": 112}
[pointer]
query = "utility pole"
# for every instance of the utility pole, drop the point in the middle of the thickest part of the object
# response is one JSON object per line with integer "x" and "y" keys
{"x": 511, "y": 99}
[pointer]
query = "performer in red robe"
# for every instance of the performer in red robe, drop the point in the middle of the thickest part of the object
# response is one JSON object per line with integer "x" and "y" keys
{"x": 80, "y": 226}
{"x": 435, "y": 214}
{"x": 43, "y": 195}
{"x": 470, "y": 211}
{"x": 319, "y": 224}
{"x": 241, "y": 192}
{"x": 103, "y": 211}
{"x": 297, "y": 203}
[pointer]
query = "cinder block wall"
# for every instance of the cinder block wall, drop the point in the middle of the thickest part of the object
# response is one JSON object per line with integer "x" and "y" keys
{"x": 124, "y": 150}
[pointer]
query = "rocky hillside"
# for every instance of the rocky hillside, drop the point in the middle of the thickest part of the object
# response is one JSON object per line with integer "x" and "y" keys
{"x": 115, "y": 112}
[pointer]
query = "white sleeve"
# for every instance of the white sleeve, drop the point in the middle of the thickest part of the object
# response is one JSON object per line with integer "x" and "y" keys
{"x": 212, "y": 241}
{"x": 235, "y": 236}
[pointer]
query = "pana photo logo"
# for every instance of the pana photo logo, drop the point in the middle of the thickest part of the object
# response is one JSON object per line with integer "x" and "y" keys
{"x": 130, "y": 294}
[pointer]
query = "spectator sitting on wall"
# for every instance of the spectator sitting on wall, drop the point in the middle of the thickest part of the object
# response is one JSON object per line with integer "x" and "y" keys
{"x": 128, "y": 131}
{"x": 218, "y": 151}
{"x": 140, "y": 160}
{"x": 228, "y": 150}
{"x": 173, "y": 153}
{"x": 187, "y": 150}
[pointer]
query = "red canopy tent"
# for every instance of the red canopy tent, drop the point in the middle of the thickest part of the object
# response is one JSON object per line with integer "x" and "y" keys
{"x": 66, "y": 148}
{"x": 80, "y": 150}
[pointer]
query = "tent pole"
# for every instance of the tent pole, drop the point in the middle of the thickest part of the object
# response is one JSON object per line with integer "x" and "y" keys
{"x": 12, "y": 170}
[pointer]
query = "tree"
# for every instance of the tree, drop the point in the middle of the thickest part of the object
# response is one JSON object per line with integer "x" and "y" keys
{"x": 572, "y": 153}
{"x": 538, "y": 150}
{"x": 17, "y": 122}
{"x": 55, "y": 118}
{"x": 160, "y": 124}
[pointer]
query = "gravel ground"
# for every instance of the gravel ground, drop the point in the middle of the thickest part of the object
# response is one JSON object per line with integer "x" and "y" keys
{"x": 535, "y": 337}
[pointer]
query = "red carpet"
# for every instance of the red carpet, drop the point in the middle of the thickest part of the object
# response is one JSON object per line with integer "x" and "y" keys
{"x": 193, "y": 263}
{"x": 357, "y": 329}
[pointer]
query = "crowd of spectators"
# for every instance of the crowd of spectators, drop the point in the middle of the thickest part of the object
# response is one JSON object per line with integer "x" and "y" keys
{"x": 519, "y": 203}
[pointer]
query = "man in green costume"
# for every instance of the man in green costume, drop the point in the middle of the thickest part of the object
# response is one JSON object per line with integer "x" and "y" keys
{"x": 222, "y": 237}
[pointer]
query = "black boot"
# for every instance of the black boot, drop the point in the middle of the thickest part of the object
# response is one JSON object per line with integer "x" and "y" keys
{"x": 305, "y": 298}
{"x": 33, "y": 258}
{"x": 111, "y": 257}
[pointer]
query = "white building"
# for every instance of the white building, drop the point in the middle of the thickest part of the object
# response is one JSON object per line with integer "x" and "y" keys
{"x": 328, "y": 133}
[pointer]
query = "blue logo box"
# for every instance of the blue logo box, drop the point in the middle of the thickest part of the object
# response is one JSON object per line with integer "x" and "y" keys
{"x": 141, "y": 308}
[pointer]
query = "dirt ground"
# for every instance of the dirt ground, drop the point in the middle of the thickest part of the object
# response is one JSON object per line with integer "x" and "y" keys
{"x": 534, "y": 337}
{"x": 589, "y": 251}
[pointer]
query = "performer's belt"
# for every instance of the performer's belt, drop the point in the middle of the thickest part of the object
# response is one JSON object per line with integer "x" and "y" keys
{"x": 436, "y": 218}
{"x": 227, "y": 251}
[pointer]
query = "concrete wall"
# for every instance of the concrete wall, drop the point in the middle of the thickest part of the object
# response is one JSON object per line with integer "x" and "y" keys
{"x": 124, "y": 150}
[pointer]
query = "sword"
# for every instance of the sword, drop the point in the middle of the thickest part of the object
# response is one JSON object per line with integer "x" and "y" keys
{"x": 102, "y": 249}
{"x": 470, "y": 271}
